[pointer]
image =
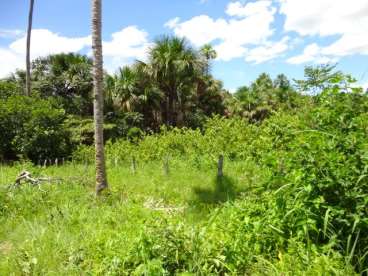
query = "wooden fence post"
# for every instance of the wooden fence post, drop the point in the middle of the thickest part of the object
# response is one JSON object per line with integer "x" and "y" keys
{"x": 134, "y": 164}
{"x": 166, "y": 165}
{"x": 220, "y": 166}
{"x": 85, "y": 167}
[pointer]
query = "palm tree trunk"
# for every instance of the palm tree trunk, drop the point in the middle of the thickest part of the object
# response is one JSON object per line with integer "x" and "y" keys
{"x": 171, "y": 111}
{"x": 168, "y": 113}
{"x": 28, "y": 61}
{"x": 180, "y": 115}
{"x": 101, "y": 180}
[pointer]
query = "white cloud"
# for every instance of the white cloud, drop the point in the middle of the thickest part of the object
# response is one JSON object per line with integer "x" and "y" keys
{"x": 10, "y": 61}
{"x": 172, "y": 23}
{"x": 347, "y": 19}
{"x": 237, "y": 9}
{"x": 127, "y": 43}
{"x": 312, "y": 53}
{"x": 45, "y": 42}
{"x": 200, "y": 29}
{"x": 324, "y": 17}
{"x": 268, "y": 52}
{"x": 249, "y": 24}
{"x": 125, "y": 46}
{"x": 227, "y": 51}
{"x": 348, "y": 44}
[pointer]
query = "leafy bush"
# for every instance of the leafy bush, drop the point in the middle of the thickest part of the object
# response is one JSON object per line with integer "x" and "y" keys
{"x": 238, "y": 238}
{"x": 32, "y": 128}
{"x": 8, "y": 88}
{"x": 315, "y": 163}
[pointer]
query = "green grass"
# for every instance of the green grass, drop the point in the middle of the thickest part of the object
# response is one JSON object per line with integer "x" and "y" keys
{"x": 148, "y": 223}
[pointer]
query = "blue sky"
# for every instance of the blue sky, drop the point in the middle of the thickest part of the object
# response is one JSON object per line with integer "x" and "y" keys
{"x": 251, "y": 37}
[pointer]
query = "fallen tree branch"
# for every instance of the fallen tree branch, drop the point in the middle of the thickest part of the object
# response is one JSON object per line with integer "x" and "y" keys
{"x": 26, "y": 177}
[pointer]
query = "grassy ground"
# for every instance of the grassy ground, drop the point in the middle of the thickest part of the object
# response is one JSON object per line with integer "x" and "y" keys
{"x": 62, "y": 229}
{"x": 53, "y": 229}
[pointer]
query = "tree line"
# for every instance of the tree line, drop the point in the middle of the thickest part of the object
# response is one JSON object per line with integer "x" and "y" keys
{"x": 174, "y": 87}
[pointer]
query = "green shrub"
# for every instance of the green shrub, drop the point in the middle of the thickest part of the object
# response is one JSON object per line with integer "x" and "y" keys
{"x": 8, "y": 88}
{"x": 32, "y": 128}
{"x": 240, "y": 238}
{"x": 315, "y": 162}
{"x": 300, "y": 205}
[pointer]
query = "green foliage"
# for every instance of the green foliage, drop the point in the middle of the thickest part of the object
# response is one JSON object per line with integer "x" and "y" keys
{"x": 322, "y": 77}
{"x": 263, "y": 97}
{"x": 165, "y": 225}
{"x": 66, "y": 77}
{"x": 293, "y": 199}
{"x": 32, "y": 128}
{"x": 174, "y": 87}
{"x": 8, "y": 88}
{"x": 313, "y": 168}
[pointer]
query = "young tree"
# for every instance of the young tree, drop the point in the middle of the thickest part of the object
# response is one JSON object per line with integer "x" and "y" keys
{"x": 101, "y": 179}
{"x": 28, "y": 61}
{"x": 318, "y": 78}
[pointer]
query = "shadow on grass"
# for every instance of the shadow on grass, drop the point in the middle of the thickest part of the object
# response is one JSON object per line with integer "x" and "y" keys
{"x": 223, "y": 191}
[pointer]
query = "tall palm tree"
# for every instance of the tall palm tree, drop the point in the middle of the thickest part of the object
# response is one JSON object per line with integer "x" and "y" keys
{"x": 28, "y": 61}
{"x": 208, "y": 53}
{"x": 125, "y": 91}
{"x": 173, "y": 65}
{"x": 149, "y": 96}
{"x": 109, "y": 90}
{"x": 101, "y": 179}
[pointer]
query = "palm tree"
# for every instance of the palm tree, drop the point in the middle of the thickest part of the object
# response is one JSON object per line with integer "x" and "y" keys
{"x": 101, "y": 179}
{"x": 262, "y": 90}
{"x": 132, "y": 90}
{"x": 210, "y": 96}
{"x": 28, "y": 61}
{"x": 148, "y": 96}
{"x": 173, "y": 66}
{"x": 109, "y": 90}
{"x": 125, "y": 88}
{"x": 208, "y": 53}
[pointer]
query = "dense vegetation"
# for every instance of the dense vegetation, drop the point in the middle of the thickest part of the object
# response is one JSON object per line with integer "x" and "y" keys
{"x": 292, "y": 200}
{"x": 174, "y": 87}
